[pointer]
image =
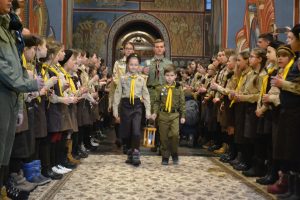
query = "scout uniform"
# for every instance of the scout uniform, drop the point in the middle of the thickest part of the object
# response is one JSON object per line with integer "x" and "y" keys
{"x": 170, "y": 107}
{"x": 13, "y": 81}
{"x": 130, "y": 90}
{"x": 287, "y": 138}
{"x": 156, "y": 74}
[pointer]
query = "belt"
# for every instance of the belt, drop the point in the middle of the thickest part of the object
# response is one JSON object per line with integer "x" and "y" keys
{"x": 172, "y": 110}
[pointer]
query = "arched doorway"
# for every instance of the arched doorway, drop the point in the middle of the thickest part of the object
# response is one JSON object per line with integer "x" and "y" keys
{"x": 141, "y": 29}
{"x": 141, "y": 34}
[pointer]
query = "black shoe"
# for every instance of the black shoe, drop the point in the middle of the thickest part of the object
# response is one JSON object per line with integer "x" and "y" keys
{"x": 267, "y": 180}
{"x": 82, "y": 154}
{"x": 136, "y": 158}
{"x": 214, "y": 147}
{"x": 69, "y": 165}
{"x": 241, "y": 167}
{"x": 175, "y": 159}
{"x": 165, "y": 161}
{"x": 237, "y": 160}
{"x": 51, "y": 174}
{"x": 227, "y": 158}
{"x": 129, "y": 157}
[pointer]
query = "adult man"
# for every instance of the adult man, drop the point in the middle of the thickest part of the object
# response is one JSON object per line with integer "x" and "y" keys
{"x": 13, "y": 81}
{"x": 154, "y": 68}
{"x": 264, "y": 40}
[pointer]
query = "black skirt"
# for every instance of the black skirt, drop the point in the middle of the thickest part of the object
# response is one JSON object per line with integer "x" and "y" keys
{"x": 40, "y": 121}
{"x": 251, "y": 121}
{"x": 84, "y": 113}
{"x": 24, "y": 143}
{"x": 264, "y": 124}
{"x": 287, "y": 138}
{"x": 239, "y": 122}
{"x": 73, "y": 113}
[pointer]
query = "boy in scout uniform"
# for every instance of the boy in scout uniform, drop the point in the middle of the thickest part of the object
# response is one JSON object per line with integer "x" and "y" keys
{"x": 130, "y": 92}
{"x": 154, "y": 68}
{"x": 170, "y": 105}
{"x": 14, "y": 80}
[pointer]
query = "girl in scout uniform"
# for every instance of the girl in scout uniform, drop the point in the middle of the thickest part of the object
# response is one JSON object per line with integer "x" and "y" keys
{"x": 267, "y": 112}
{"x": 58, "y": 117}
{"x": 249, "y": 96}
{"x": 24, "y": 144}
{"x": 130, "y": 91}
{"x": 287, "y": 139}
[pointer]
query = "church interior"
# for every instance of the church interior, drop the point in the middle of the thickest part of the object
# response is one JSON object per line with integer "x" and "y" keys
{"x": 234, "y": 141}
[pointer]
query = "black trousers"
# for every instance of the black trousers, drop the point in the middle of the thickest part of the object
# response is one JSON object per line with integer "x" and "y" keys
{"x": 130, "y": 122}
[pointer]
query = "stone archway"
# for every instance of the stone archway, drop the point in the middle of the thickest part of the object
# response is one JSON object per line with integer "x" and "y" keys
{"x": 130, "y": 18}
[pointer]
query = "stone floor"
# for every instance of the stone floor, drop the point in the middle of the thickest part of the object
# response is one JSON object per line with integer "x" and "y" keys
{"x": 104, "y": 175}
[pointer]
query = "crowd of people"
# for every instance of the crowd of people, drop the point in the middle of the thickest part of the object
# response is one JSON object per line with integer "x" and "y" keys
{"x": 56, "y": 102}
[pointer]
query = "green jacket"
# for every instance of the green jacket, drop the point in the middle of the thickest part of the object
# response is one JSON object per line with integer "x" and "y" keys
{"x": 12, "y": 75}
{"x": 178, "y": 99}
{"x": 153, "y": 80}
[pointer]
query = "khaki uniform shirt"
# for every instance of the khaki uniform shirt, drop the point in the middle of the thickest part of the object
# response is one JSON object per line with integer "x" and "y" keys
{"x": 251, "y": 87}
{"x": 155, "y": 77}
{"x": 123, "y": 91}
{"x": 119, "y": 69}
{"x": 178, "y": 99}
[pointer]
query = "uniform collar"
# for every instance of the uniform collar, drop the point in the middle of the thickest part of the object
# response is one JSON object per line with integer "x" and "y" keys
{"x": 158, "y": 58}
{"x": 4, "y": 21}
{"x": 246, "y": 70}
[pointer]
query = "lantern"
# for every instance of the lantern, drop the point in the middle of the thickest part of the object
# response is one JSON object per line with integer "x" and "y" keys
{"x": 149, "y": 137}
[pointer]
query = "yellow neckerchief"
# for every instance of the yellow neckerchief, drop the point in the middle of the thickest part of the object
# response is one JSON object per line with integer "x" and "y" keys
{"x": 287, "y": 69}
{"x": 264, "y": 85}
{"x": 239, "y": 85}
{"x": 169, "y": 97}
{"x": 43, "y": 71}
{"x": 52, "y": 69}
{"x": 24, "y": 62}
{"x": 132, "y": 84}
{"x": 69, "y": 78}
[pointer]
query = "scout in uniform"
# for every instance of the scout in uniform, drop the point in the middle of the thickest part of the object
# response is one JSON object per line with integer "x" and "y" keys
{"x": 118, "y": 71}
{"x": 287, "y": 139}
{"x": 222, "y": 79}
{"x": 154, "y": 68}
{"x": 268, "y": 111}
{"x": 129, "y": 94}
{"x": 227, "y": 85}
{"x": 13, "y": 81}
{"x": 169, "y": 105}
{"x": 249, "y": 97}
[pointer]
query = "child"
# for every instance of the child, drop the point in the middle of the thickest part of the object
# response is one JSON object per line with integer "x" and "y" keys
{"x": 129, "y": 92}
{"x": 170, "y": 105}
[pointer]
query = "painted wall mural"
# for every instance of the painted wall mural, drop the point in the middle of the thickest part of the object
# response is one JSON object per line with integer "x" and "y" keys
{"x": 184, "y": 30}
{"x": 174, "y": 5}
{"x": 90, "y": 30}
{"x": 106, "y": 4}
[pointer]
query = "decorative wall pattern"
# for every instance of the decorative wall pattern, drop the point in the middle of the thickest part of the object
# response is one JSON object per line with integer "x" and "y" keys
{"x": 174, "y": 5}
{"x": 186, "y": 33}
{"x": 106, "y": 4}
{"x": 90, "y": 30}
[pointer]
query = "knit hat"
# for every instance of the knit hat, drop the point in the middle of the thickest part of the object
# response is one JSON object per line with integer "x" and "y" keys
{"x": 285, "y": 50}
{"x": 68, "y": 55}
{"x": 296, "y": 31}
{"x": 276, "y": 44}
